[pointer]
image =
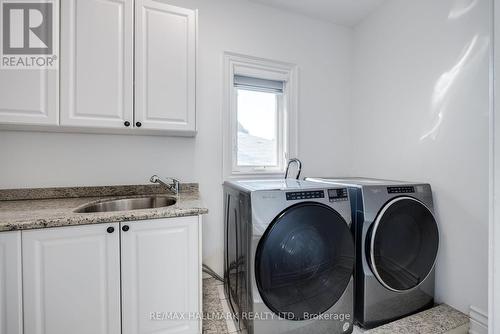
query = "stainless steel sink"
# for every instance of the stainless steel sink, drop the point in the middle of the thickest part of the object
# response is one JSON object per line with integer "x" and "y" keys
{"x": 126, "y": 204}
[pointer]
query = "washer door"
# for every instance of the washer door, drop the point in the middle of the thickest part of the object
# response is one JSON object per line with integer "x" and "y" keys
{"x": 304, "y": 261}
{"x": 403, "y": 244}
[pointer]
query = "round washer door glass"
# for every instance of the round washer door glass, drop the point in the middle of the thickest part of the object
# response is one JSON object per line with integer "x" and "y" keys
{"x": 304, "y": 261}
{"x": 403, "y": 244}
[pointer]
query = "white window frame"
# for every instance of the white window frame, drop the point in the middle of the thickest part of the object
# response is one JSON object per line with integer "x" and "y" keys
{"x": 237, "y": 64}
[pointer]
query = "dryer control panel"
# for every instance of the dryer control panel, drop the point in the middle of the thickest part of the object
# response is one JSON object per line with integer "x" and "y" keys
{"x": 292, "y": 196}
{"x": 336, "y": 195}
{"x": 401, "y": 190}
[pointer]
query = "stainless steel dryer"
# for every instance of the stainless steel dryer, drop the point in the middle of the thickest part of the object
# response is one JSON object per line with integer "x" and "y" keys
{"x": 397, "y": 239}
{"x": 289, "y": 256}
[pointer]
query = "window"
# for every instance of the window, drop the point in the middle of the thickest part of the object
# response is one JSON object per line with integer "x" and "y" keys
{"x": 259, "y": 114}
{"x": 259, "y": 122}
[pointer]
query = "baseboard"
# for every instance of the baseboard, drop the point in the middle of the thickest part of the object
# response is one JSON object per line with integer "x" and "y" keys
{"x": 464, "y": 329}
{"x": 478, "y": 321}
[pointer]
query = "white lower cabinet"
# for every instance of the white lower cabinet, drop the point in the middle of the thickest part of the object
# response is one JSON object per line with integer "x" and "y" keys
{"x": 161, "y": 277}
{"x": 71, "y": 280}
{"x": 131, "y": 278}
{"x": 11, "y": 309}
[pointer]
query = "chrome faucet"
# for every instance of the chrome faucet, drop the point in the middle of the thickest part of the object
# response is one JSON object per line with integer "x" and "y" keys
{"x": 173, "y": 185}
{"x": 299, "y": 167}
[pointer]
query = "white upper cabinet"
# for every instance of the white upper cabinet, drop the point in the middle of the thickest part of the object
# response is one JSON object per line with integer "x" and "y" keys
{"x": 11, "y": 314}
{"x": 71, "y": 280}
{"x": 97, "y": 63}
{"x": 126, "y": 66}
{"x": 161, "y": 269}
{"x": 165, "y": 66}
{"x": 29, "y": 96}
{"x": 29, "y": 90}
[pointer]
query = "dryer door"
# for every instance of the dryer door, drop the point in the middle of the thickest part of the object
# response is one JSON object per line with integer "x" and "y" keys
{"x": 403, "y": 244}
{"x": 304, "y": 261}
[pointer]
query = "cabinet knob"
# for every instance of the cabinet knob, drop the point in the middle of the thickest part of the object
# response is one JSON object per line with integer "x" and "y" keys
{"x": 110, "y": 229}
{"x": 125, "y": 228}
{"x": 138, "y": 124}
{"x": 127, "y": 123}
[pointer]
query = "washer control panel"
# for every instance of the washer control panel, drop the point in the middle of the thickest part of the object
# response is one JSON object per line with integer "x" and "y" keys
{"x": 336, "y": 195}
{"x": 401, "y": 190}
{"x": 292, "y": 196}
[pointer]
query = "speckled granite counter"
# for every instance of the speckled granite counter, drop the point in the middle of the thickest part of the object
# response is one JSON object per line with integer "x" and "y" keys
{"x": 23, "y": 209}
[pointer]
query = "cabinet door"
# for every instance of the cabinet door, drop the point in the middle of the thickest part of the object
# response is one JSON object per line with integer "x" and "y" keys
{"x": 11, "y": 314}
{"x": 161, "y": 273}
{"x": 97, "y": 63}
{"x": 29, "y": 97}
{"x": 71, "y": 280}
{"x": 165, "y": 55}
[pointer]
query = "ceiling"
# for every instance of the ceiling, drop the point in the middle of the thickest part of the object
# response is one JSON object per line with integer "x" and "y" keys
{"x": 344, "y": 12}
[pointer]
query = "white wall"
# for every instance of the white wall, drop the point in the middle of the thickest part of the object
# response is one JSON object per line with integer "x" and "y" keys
{"x": 494, "y": 249}
{"x": 321, "y": 50}
{"x": 420, "y": 112}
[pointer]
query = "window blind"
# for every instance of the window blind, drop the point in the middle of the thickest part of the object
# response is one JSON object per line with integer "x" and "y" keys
{"x": 265, "y": 85}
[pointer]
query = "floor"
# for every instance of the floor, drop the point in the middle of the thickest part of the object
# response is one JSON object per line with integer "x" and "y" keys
{"x": 441, "y": 319}
{"x": 214, "y": 304}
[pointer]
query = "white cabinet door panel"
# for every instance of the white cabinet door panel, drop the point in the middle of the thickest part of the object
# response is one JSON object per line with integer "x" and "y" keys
{"x": 29, "y": 97}
{"x": 165, "y": 54}
{"x": 97, "y": 63}
{"x": 71, "y": 280}
{"x": 160, "y": 273}
{"x": 11, "y": 311}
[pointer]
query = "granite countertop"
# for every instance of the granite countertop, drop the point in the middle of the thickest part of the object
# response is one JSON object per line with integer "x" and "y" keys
{"x": 23, "y": 209}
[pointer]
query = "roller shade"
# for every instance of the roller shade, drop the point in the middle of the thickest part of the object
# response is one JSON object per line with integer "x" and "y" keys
{"x": 265, "y": 85}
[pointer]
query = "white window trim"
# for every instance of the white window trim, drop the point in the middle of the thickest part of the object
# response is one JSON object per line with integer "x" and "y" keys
{"x": 266, "y": 69}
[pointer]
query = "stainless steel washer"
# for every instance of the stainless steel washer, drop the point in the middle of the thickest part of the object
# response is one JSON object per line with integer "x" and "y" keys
{"x": 397, "y": 239}
{"x": 289, "y": 256}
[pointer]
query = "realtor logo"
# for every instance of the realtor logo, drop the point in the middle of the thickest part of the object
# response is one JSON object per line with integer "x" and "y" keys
{"x": 28, "y": 30}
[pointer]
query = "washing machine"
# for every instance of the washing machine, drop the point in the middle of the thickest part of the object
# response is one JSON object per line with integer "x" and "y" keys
{"x": 397, "y": 238}
{"x": 289, "y": 256}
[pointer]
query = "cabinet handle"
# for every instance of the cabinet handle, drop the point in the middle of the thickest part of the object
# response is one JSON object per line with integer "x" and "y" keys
{"x": 138, "y": 124}
{"x": 127, "y": 123}
{"x": 125, "y": 228}
{"x": 110, "y": 229}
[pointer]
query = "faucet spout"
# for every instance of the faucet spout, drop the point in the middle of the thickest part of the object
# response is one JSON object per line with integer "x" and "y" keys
{"x": 299, "y": 167}
{"x": 172, "y": 184}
